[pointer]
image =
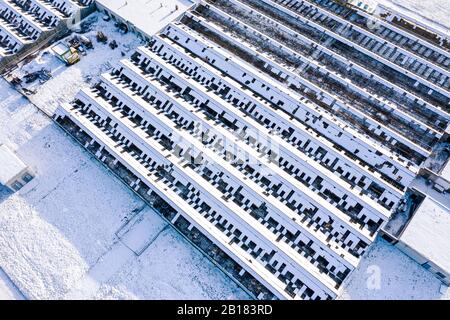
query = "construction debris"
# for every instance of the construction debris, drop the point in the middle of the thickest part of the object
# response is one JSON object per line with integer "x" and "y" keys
{"x": 113, "y": 44}
{"x": 74, "y": 42}
{"x": 29, "y": 92}
{"x": 101, "y": 37}
{"x": 86, "y": 42}
{"x": 16, "y": 81}
{"x": 43, "y": 75}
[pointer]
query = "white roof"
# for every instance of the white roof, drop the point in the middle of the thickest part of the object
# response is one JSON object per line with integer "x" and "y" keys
{"x": 429, "y": 232}
{"x": 10, "y": 165}
{"x": 60, "y": 48}
{"x": 368, "y": 5}
{"x": 446, "y": 171}
{"x": 148, "y": 16}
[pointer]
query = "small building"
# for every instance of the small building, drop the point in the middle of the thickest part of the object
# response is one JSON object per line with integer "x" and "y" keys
{"x": 66, "y": 54}
{"x": 366, "y": 5}
{"x": 426, "y": 238}
{"x": 135, "y": 15}
{"x": 14, "y": 174}
{"x": 420, "y": 227}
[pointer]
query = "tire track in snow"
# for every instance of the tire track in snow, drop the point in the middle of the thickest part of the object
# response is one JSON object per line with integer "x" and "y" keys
{"x": 110, "y": 263}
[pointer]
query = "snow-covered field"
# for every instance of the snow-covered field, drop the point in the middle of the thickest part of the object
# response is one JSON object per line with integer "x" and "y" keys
{"x": 77, "y": 232}
{"x": 434, "y": 11}
{"x": 387, "y": 273}
{"x": 8, "y": 291}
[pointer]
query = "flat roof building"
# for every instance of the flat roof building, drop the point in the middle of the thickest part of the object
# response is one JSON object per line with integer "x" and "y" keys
{"x": 14, "y": 174}
{"x": 426, "y": 238}
{"x": 445, "y": 173}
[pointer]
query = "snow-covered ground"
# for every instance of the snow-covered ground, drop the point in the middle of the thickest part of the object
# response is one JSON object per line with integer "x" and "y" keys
{"x": 65, "y": 234}
{"x": 77, "y": 232}
{"x": 387, "y": 273}
{"x": 431, "y": 11}
{"x": 8, "y": 291}
{"x": 66, "y": 82}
